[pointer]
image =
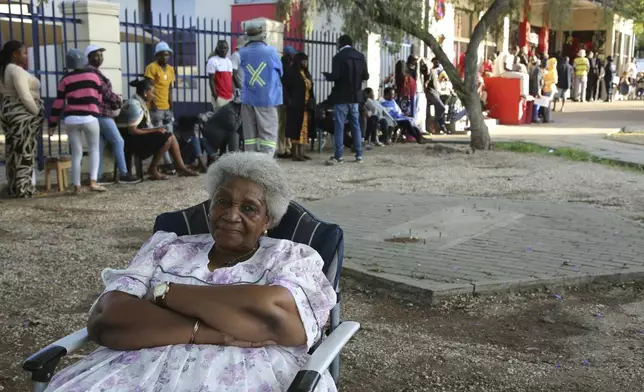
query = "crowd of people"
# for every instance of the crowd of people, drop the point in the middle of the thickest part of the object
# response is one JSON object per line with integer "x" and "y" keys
{"x": 260, "y": 102}
{"x": 554, "y": 79}
{"x": 263, "y": 102}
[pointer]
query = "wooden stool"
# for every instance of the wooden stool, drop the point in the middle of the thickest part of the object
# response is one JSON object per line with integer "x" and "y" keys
{"x": 60, "y": 164}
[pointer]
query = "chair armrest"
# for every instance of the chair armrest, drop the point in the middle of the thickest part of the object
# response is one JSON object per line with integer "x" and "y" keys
{"x": 43, "y": 363}
{"x": 309, "y": 375}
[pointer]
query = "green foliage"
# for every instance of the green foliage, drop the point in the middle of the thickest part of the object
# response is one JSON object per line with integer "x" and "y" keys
{"x": 568, "y": 153}
{"x": 630, "y": 9}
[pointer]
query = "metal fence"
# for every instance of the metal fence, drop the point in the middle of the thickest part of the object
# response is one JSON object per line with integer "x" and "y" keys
{"x": 389, "y": 57}
{"x": 46, "y": 32}
{"x": 193, "y": 40}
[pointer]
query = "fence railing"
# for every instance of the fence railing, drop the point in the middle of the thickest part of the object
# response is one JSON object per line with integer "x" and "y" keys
{"x": 193, "y": 40}
{"x": 389, "y": 57}
{"x": 47, "y": 32}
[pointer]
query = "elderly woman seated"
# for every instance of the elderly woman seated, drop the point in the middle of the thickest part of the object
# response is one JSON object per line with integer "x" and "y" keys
{"x": 231, "y": 311}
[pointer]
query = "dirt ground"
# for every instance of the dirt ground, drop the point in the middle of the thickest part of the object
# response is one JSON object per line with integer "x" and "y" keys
{"x": 52, "y": 251}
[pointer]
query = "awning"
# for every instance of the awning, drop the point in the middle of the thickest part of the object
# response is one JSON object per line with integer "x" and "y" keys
{"x": 23, "y": 30}
{"x": 52, "y": 34}
{"x": 138, "y": 35}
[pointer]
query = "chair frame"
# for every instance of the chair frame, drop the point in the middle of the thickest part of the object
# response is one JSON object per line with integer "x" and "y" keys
{"x": 326, "y": 353}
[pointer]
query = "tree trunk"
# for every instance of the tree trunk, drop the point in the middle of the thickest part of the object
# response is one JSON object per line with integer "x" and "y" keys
{"x": 465, "y": 89}
{"x": 480, "y": 135}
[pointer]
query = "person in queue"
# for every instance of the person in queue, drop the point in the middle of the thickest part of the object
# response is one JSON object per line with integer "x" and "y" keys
{"x": 145, "y": 139}
{"x": 378, "y": 118}
{"x": 238, "y": 73}
{"x": 220, "y": 76}
{"x": 300, "y": 112}
{"x": 405, "y": 123}
{"x": 405, "y": 88}
{"x": 109, "y": 104}
{"x": 261, "y": 90}
{"x": 565, "y": 74}
{"x": 581, "y": 64}
{"x": 349, "y": 70}
{"x": 77, "y": 98}
{"x": 610, "y": 71}
{"x": 432, "y": 92}
{"x": 178, "y": 318}
{"x": 162, "y": 74}
{"x": 223, "y": 128}
{"x": 21, "y": 117}
{"x": 284, "y": 143}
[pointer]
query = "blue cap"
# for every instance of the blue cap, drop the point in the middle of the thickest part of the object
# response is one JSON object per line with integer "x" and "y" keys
{"x": 162, "y": 47}
{"x": 289, "y": 50}
{"x": 74, "y": 59}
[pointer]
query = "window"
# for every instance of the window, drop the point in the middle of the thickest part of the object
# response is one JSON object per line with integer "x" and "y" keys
{"x": 462, "y": 23}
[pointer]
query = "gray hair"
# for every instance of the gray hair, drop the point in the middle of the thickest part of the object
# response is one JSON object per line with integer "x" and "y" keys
{"x": 256, "y": 167}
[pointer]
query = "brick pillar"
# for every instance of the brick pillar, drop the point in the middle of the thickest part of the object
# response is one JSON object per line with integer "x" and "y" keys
{"x": 373, "y": 62}
{"x": 99, "y": 25}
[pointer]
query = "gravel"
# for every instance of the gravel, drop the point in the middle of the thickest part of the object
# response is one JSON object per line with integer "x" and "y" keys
{"x": 52, "y": 250}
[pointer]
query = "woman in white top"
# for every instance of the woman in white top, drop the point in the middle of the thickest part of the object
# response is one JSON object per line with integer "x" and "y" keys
{"x": 21, "y": 117}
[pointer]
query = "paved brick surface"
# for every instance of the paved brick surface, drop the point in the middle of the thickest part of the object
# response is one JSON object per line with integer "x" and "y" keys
{"x": 474, "y": 245}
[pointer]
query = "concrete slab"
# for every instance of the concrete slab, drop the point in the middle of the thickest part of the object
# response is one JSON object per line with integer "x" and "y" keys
{"x": 469, "y": 245}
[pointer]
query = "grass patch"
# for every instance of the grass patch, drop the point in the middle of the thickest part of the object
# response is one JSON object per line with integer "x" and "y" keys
{"x": 571, "y": 154}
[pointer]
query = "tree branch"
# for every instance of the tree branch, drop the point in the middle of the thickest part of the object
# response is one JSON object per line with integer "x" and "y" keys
{"x": 490, "y": 17}
{"x": 379, "y": 13}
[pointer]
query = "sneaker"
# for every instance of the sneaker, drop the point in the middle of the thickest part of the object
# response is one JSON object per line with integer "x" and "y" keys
{"x": 333, "y": 161}
{"x": 106, "y": 179}
{"x": 128, "y": 179}
{"x": 358, "y": 159}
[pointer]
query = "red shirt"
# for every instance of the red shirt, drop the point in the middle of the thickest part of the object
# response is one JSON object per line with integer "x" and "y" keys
{"x": 222, "y": 68}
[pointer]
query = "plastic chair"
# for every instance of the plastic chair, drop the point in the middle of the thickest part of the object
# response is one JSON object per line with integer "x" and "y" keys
{"x": 297, "y": 225}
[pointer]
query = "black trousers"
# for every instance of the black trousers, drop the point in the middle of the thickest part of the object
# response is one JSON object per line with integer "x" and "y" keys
{"x": 221, "y": 139}
{"x": 373, "y": 124}
{"x": 592, "y": 87}
{"x": 408, "y": 128}
{"x": 609, "y": 90}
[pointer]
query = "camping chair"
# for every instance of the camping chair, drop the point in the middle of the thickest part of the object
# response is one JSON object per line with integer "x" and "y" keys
{"x": 297, "y": 225}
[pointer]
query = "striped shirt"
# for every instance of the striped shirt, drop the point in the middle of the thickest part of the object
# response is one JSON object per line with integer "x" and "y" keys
{"x": 78, "y": 95}
{"x": 110, "y": 101}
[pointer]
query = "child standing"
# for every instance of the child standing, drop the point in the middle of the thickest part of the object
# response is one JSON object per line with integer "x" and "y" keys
{"x": 78, "y": 98}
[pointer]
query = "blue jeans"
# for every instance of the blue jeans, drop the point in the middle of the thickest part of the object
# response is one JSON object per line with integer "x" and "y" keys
{"x": 535, "y": 112}
{"x": 210, "y": 151}
{"x": 111, "y": 134}
{"x": 340, "y": 114}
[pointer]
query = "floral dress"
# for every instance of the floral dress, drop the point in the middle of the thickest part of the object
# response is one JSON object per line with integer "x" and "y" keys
{"x": 304, "y": 131}
{"x": 209, "y": 368}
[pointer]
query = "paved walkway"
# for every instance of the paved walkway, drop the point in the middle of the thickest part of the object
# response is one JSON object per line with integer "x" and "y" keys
{"x": 467, "y": 245}
{"x": 583, "y": 126}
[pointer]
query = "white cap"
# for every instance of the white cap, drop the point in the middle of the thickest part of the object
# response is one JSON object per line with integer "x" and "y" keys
{"x": 92, "y": 48}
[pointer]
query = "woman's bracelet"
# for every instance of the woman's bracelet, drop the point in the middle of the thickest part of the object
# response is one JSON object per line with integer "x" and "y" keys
{"x": 194, "y": 332}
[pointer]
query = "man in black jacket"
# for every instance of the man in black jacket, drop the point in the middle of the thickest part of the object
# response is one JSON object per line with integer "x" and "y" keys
{"x": 593, "y": 77}
{"x": 348, "y": 72}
